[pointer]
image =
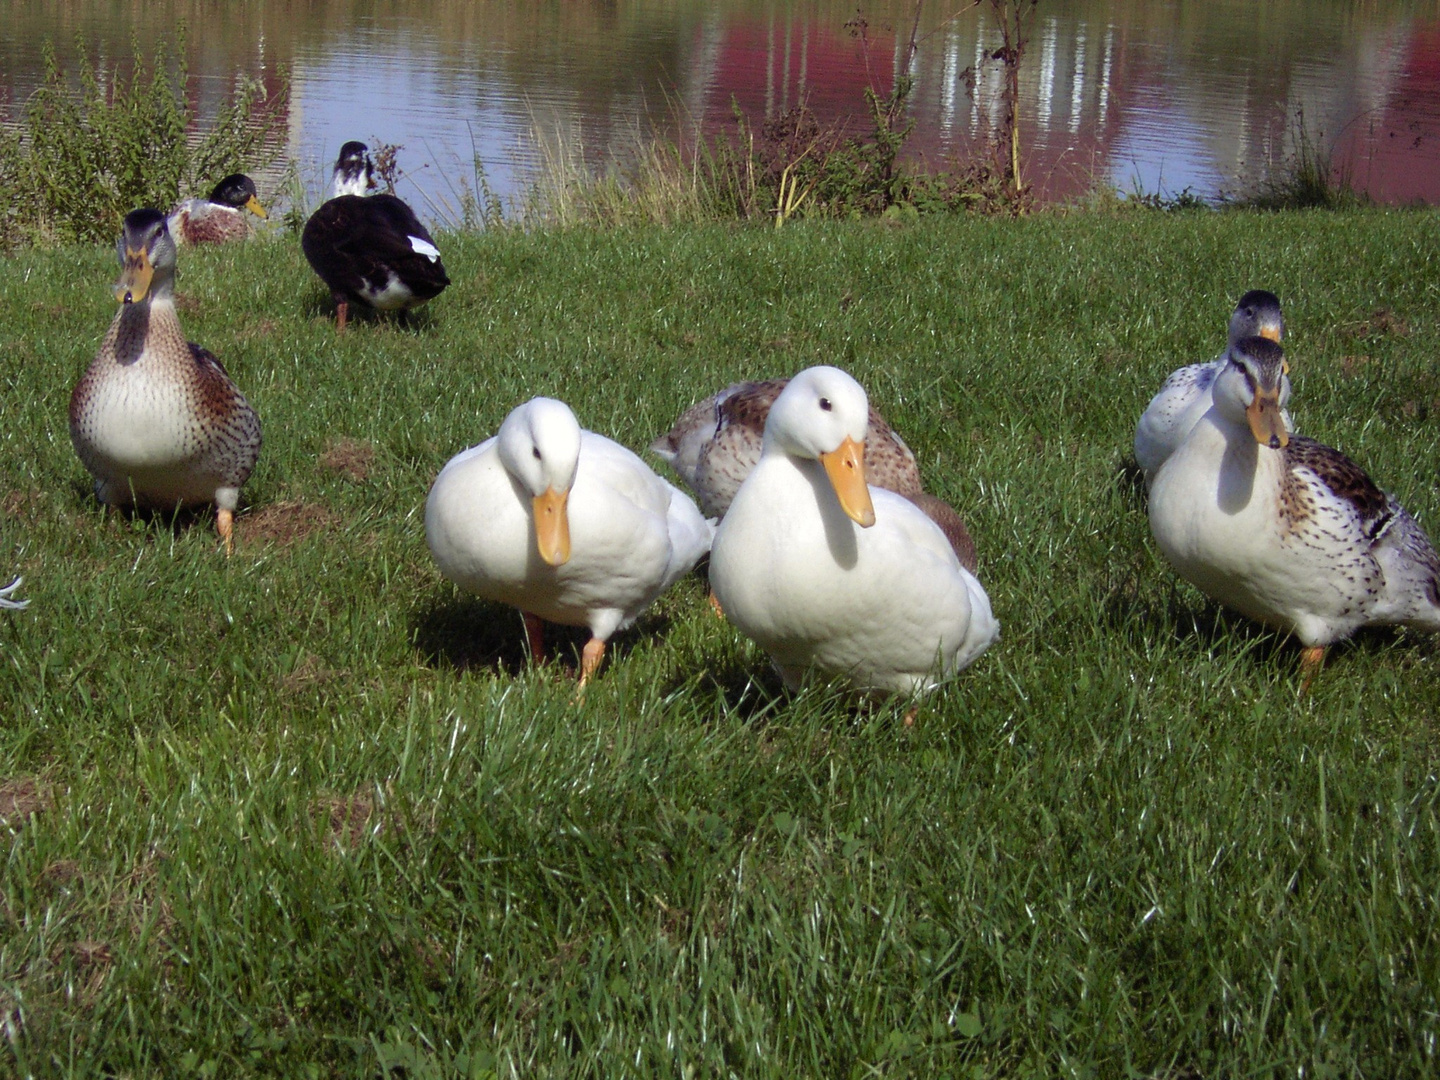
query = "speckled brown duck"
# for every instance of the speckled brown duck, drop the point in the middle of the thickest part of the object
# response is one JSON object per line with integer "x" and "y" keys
{"x": 715, "y": 444}
{"x": 1284, "y": 529}
{"x": 220, "y": 218}
{"x": 156, "y": 419}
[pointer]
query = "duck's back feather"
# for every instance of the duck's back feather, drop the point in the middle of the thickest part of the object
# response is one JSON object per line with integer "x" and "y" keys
{"x": 374, "y": 250}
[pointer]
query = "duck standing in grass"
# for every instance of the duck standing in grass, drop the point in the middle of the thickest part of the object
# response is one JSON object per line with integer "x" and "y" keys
{"x": 155, "y": 419}
{"x": 564, "y": 524}
{"x": 824, "y": 571}
{"x": 220, "y": 218}
{"x": 715, "y": 444}
{"x": 1188, "y": 393}
{"x": 1282, "y": 528}
{"x": 370, "y": 249}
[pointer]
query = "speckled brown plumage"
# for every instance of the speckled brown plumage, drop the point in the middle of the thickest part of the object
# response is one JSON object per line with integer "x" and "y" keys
{"x": 1338, "y": 473}
{"x": 715, "y": 444}
{"x": 155, "y": 419}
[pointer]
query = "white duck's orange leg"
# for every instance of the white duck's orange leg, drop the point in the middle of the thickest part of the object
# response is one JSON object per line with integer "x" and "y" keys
{"x": 590, "y": 659}
{"x": 715, "y": 606}
{"x": 225, "y": 526}
{"x": 534, "y": 637}
{"x": 1310, "y": 661}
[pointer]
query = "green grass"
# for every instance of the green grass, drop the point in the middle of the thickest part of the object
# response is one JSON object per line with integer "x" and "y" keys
{"x": 308, "y": 813}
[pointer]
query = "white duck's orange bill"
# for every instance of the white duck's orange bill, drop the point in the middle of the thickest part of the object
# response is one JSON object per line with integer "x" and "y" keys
{"x": 552, "y": 526}
{"x": 845, "y": 465}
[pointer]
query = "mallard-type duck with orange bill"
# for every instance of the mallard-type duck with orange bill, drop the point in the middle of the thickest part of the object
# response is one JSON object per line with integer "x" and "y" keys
{"x": 157, "y": 420}
{"x": 370, "y": 249}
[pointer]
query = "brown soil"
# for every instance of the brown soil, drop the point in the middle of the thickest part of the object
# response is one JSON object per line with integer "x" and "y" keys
{"x": 21, "y": 797}
{"x": 351, "y": 458}
{"x": 284, "y": 523}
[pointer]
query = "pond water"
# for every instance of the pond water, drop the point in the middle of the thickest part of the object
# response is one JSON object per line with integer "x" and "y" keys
{"x": 1146, "y": 95}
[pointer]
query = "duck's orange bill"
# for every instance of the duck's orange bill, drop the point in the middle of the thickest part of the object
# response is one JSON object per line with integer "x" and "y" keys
{"x": 1266, "y": 423}
{"x": 135, "y": 277}
{"x": 552, "y": 526}
{"x": 845, "y": 465}
{"x": 1271, "y": 332}
{"x": 253, "y": 205}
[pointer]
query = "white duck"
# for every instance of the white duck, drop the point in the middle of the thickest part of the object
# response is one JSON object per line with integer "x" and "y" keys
{"x": 1282, "y": 528}
{"x": 1187, "y": 394}
{"x": 564, "y": 524}
{"x": 823, "y": 571}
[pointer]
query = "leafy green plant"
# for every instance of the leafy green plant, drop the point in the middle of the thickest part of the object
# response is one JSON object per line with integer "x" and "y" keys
{"x": 90, "y": 150}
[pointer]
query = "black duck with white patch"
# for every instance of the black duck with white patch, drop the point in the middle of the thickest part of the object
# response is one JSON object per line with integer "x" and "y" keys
{"x": 155, "y": 419}
{"x": 370, "y": 249}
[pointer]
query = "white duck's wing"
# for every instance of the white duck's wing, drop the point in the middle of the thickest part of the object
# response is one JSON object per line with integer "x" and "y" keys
{"x": 1412, "y": 572}
{"x": 690, "y": 536}
{"x": 1183, "y": 398}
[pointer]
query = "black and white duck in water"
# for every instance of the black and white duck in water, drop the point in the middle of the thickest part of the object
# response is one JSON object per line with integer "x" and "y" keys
{"x": 156, "y": 419}
{"x": 220, "y": 218}
{"x": 370, "y": 249}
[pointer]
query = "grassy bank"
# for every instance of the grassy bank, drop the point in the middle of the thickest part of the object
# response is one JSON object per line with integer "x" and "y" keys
{"x": 307, "y": 812}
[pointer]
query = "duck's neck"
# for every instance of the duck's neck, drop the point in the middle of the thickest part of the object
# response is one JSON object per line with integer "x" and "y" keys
{"x": 147, "y": 326}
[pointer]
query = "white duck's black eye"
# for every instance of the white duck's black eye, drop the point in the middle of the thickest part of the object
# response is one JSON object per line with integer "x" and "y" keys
{"x": 536, "y": 452}
{"x": 825, "y": 404}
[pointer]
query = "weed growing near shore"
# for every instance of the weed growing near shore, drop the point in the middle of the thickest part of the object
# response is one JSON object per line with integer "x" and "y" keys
{"x": 92, "y": 148}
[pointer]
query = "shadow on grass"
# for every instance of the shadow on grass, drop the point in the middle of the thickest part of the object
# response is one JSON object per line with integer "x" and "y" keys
{"x": 471, "y": 634}
{"x": 1130, "y": 483}
{"x": 319, "y": 305}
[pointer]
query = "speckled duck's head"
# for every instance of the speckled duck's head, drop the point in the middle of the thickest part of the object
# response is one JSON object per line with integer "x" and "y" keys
{"x": 1253, "y": 389}
{"x": 147, "y": 258}
{"x": 1257, "y": 315}
{"x": 354, "y": 173}
{"x": 237, "y": 191}
{"x": 539, "y": 446}
{"x": 823, "y": 415}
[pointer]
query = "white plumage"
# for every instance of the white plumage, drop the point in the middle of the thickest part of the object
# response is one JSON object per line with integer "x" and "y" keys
{"x": 1187, "y": 394}
{"x": 1285, "y": 529}
{"x": 823, "y": 571}
{"x": 562, "y": 523}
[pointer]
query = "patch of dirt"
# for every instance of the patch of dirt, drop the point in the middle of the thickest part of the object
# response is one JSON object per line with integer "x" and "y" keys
{"x": 61, "y": 872}
{"x": 351, "y": 458}
{"x": 22, "y": 505}
{"x": 1350, "y": 365}
{"x": 1382, "y": 323}
{"x": 309, "y": 672}
{"x": 20, "y": 798}
{"x": 285, "y": 523}
{"x": 346, "y": 818}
